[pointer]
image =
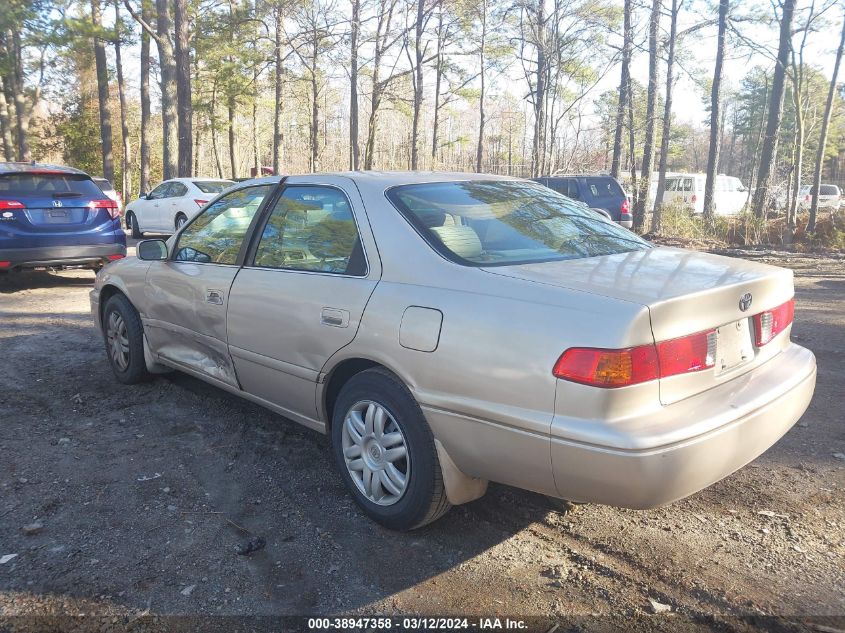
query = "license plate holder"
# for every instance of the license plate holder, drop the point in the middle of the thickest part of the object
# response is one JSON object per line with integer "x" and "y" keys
{"x": 733, "y": 345}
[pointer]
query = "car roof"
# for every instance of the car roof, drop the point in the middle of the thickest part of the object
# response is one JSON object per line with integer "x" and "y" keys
{"x": 34, "y": 168}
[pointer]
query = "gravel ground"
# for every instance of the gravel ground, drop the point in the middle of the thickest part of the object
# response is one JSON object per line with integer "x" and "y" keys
{"x": 135, "y": 500}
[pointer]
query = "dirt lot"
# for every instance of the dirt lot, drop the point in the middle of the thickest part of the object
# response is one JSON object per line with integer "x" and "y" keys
{"x": 140, "y": 497}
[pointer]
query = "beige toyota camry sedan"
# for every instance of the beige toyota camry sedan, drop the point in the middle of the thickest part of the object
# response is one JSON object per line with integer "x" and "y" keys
{"x": 447, "y": 330}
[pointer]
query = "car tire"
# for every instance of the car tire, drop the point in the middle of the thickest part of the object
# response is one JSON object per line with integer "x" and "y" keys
{"x": 180, "y": 221}
{"x": 423, "y": 496}
{"x": 123, "y": 335}
{"x": 132, "y": 225}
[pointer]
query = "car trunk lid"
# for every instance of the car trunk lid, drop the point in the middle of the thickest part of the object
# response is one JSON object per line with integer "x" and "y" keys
{"x": 685, "y": 292}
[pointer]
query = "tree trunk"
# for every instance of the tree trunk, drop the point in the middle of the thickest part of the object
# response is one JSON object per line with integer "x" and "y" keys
{"x": 770, "y": 140}
{"x": 230, "y": 107}
{"x": 715, "y": 113}
{"x": 538, "y": 146}
{"x": 278, "y": 139}
{"x": 438, "y": 78}
{"x": 169, "y": 98}
{"x": 418, "y": 84}
{"x": 214, "y": 145}
{"x": 624, "y": 82}
{"x": 146, "y": 10}
{"x": 479, "y": 150}
{"x": 651, "y": 102}
{"x": 184, "y": 108}
{"x": 125, "y": 170}
{"x": 354, "y": 151}
{"x": 6, "y": 125}
{"x": 828, "y": 110}
{"x": 103, "y": 93}
{"x": 19, "y": 99}
{"x": 256, "y": 155}
{"x": 667, "y": 121}
{"x": 315, "y": 107}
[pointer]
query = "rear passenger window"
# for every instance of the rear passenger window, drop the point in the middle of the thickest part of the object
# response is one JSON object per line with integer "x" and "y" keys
{"x": 312, "y": 228}
{"x": 604, "y": 188}
{"x": 177, "y": 189}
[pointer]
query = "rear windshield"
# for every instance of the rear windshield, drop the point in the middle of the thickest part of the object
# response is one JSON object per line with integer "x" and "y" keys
{"x": 54, "y": 185}
{"x": 829, "y": 190}
{"x": 212, "y": 186}
{"x": 103, "y": 184}
{"x": 500, "y": 223}
{"x": 604, "y": 188}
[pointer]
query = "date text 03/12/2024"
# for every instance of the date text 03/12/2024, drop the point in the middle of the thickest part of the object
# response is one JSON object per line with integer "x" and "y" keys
{"x": 417, "y": 624}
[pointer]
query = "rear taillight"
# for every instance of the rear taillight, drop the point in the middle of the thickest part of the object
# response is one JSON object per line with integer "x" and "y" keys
{"x": 631, "y": 366}
{"x": 687, "y": 354}
{"x": 115, "y": 257}
{"x": 6, "y": 205}
{"x": 201, "y": 202}
{"x": 109, "y": 204}
{"x": 5, "y": 264}
{"x": 625, "y": 209}
{"x": 768, "y": 324}
{"x": 608, "y": 367}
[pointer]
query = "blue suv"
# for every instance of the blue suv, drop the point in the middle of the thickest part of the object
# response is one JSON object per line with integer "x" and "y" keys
{"x": 56, "y": 217}
{"x": 603, "y": 193}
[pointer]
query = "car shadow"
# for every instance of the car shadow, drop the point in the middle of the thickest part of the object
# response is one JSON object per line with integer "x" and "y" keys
{"x": 12, "y": 282}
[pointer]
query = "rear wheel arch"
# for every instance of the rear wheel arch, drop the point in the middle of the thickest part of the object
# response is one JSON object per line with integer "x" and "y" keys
{"x": 338, "y": 376}
{"x": 341, "y": 373}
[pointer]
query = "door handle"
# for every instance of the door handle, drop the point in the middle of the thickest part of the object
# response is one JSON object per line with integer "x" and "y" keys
{"x": 214, "y": 297}
{"x": 334, "y": 317}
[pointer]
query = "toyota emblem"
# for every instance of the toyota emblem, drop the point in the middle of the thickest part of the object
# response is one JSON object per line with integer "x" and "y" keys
{"x": 745, "y": 301}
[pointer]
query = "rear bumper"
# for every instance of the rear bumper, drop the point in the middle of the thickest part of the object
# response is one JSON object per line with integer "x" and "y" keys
{"x": 57, "y": 256}
{"x": 626, "y": 223}
{"x": 750, "y": 415}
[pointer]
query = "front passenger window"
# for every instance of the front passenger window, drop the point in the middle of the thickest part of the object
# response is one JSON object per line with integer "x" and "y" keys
{"x": 160, "y": 192}
{"x": 216, "y": 235}
{"x": 312, "y": 228}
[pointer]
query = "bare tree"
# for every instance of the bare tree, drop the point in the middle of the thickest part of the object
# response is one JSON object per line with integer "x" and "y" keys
{"x": 167, "y": 62}
{"x": 103, "y": 92}
{"x": 6, "y": 124}
{"x": 716, "y": 112}
{"x": 651, "y": 103}
{"x": 384, "y": 39}
{"x": 125, "y": 171}
{"x": 770, "y": 138}
{"x": 667, "y": 115}
{"x": 355, "y": 27}
{"x": 13, "y": 83}
{"x": 184, "y": 109}
{"x": 828, "y": 110}
{"x": 624, "y": 88}
{"x": 423, "y": 13}
{"x": 278, "y": 83}
{"x": 144, "y": 150}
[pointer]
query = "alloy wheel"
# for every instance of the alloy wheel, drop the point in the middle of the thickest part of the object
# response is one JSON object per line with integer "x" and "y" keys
{"x": 375, "y": 452}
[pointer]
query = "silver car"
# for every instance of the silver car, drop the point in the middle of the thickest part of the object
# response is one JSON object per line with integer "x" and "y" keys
{"x": 447, "y": 330}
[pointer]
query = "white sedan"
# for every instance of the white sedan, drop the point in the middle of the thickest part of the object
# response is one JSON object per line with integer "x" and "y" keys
{"x": 170, "y": 205}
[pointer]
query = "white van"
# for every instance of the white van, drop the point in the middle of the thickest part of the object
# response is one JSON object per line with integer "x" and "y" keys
{"x": 730, "y": 195}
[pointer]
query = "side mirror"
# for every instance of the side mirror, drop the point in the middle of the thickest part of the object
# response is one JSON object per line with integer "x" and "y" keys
{"x": 152, "y": 250}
